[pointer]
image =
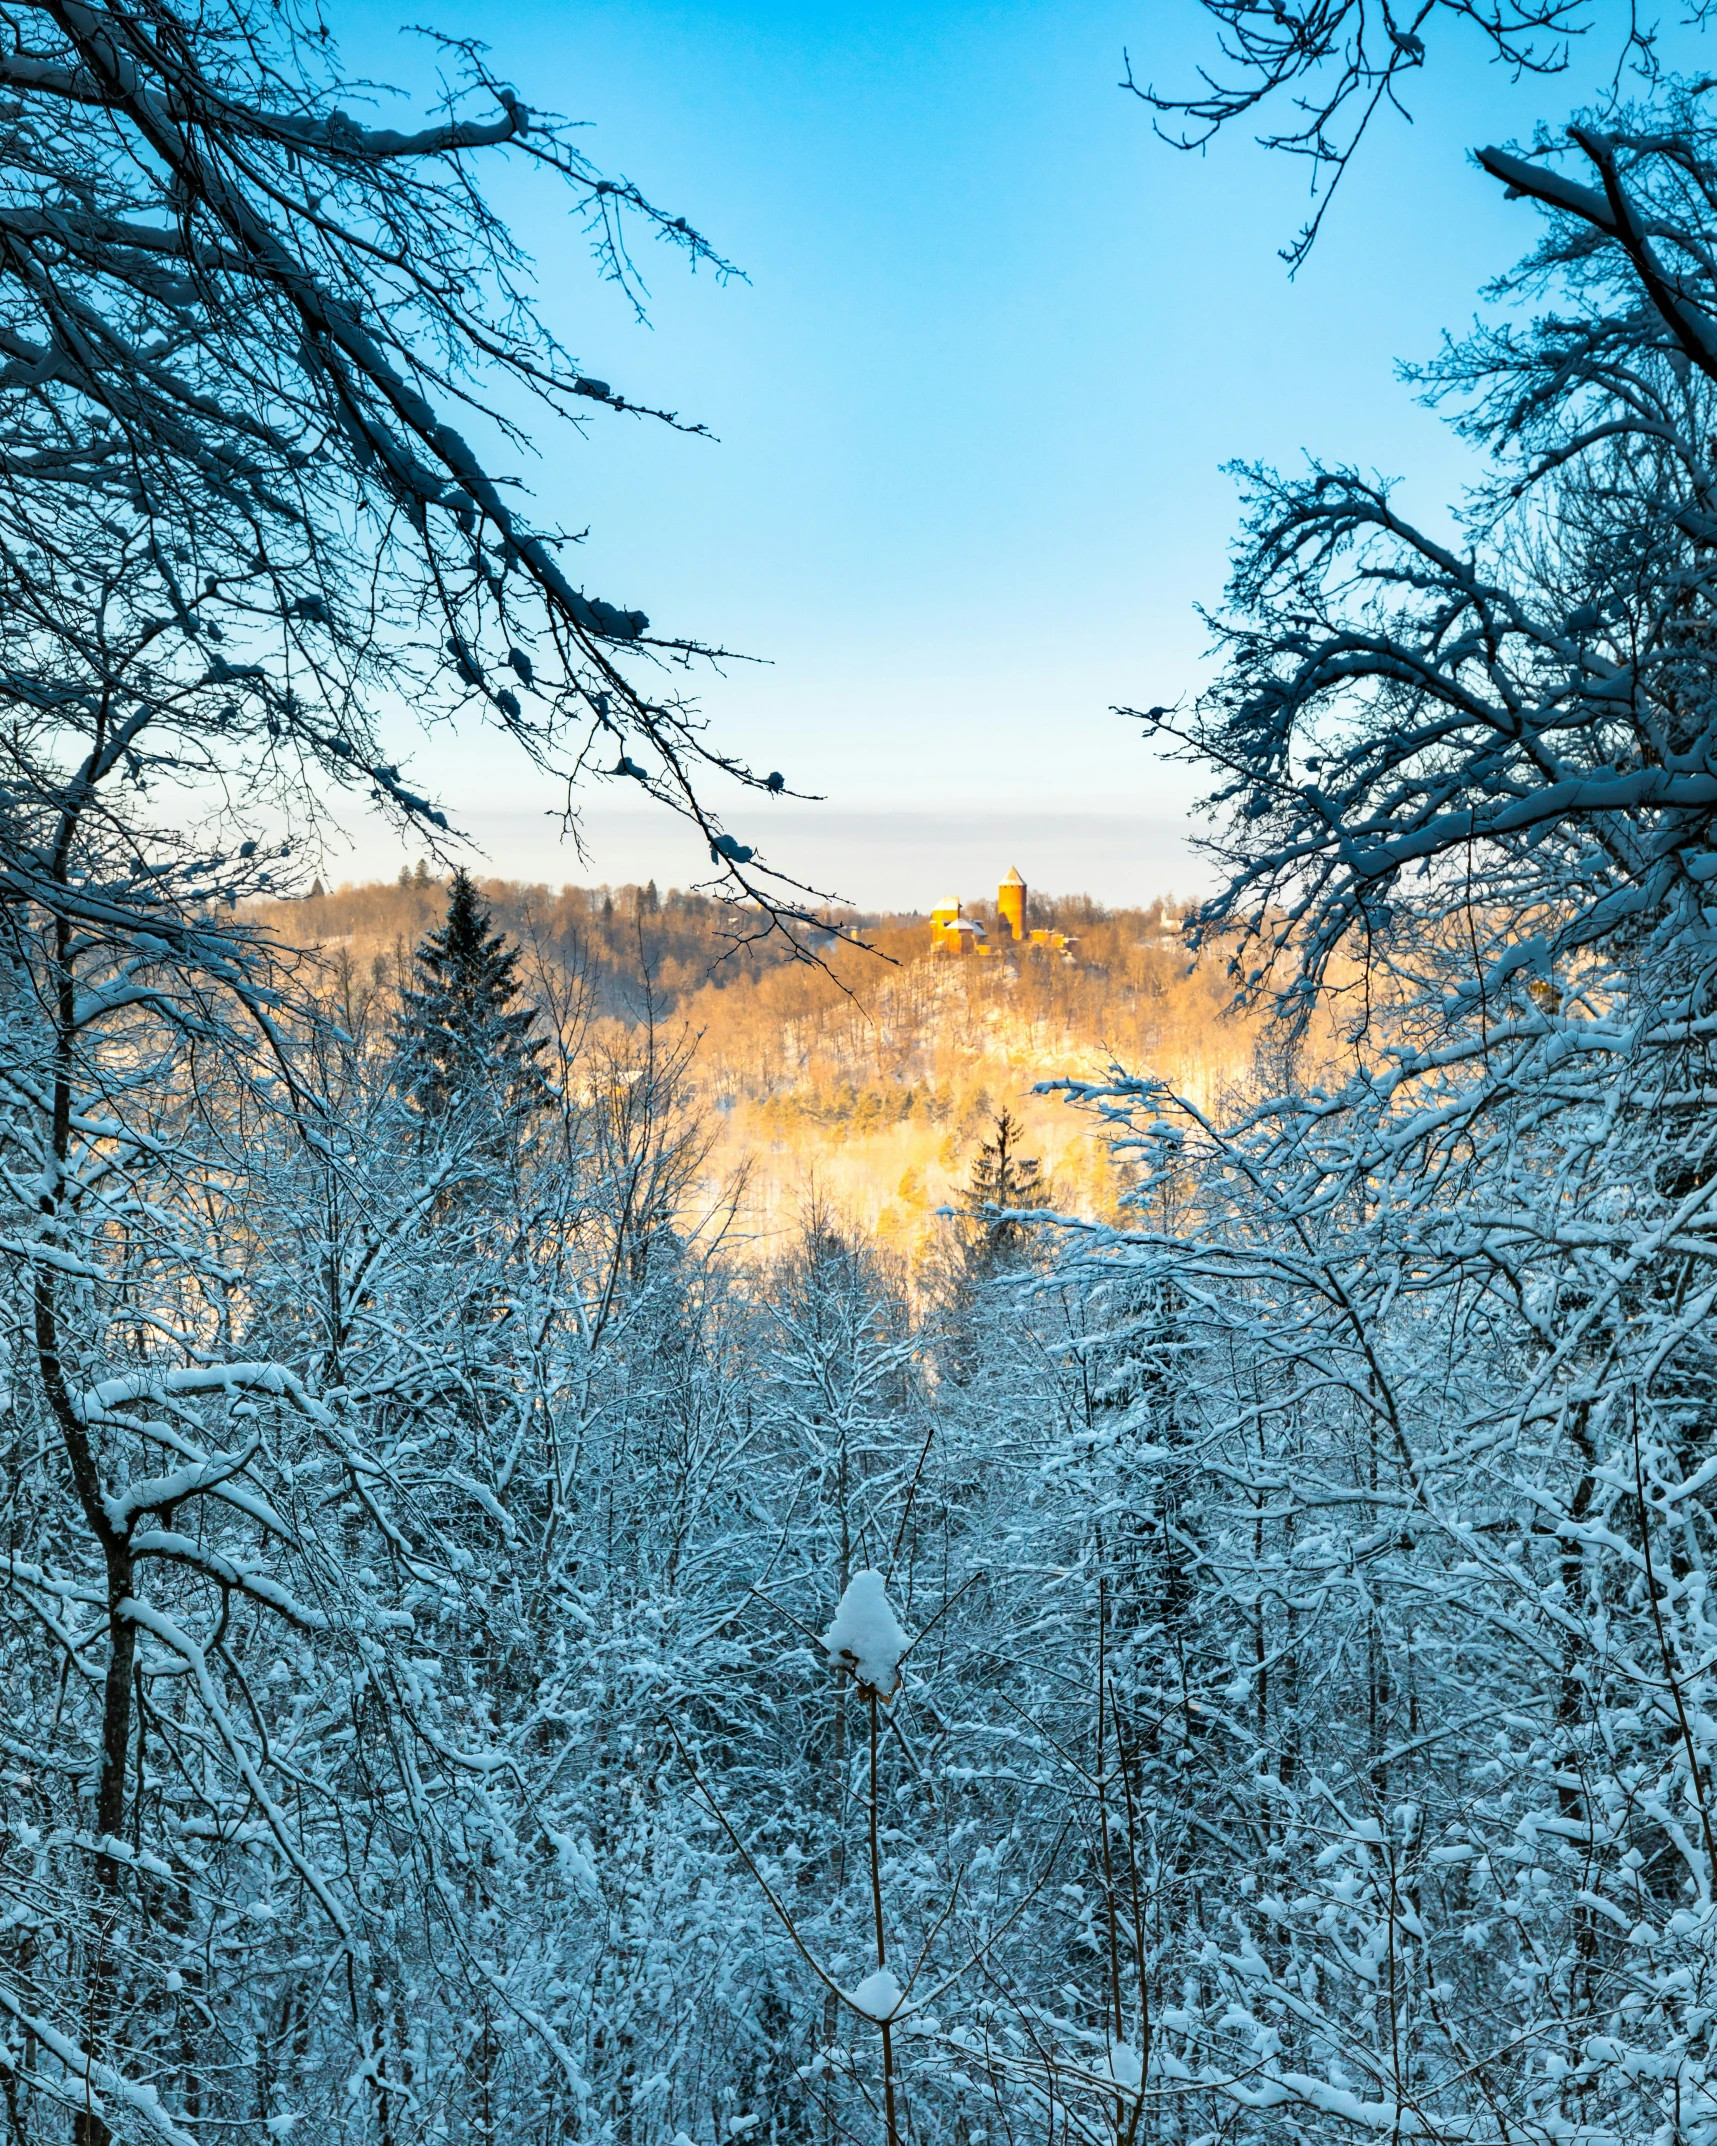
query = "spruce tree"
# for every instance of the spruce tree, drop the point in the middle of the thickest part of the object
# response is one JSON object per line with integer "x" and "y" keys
{"x": 463, "y": 1041}
{"x": 1002, "y": 1178}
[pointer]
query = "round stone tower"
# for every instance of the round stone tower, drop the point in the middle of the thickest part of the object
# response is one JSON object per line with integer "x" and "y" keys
{"x": 1010, "y": 905}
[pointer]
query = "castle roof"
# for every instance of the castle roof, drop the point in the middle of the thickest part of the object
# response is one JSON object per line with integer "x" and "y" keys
{"x": 1013, "y": 879}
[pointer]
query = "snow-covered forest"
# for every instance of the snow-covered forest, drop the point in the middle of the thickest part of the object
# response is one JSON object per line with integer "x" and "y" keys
{"x": 482, "y": 1662}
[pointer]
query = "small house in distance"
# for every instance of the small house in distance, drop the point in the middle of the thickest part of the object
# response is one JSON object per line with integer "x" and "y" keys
{"x": 953, "y": 932}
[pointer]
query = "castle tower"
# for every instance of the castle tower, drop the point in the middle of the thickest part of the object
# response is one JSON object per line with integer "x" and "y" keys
{"x": 1010, "y": 905}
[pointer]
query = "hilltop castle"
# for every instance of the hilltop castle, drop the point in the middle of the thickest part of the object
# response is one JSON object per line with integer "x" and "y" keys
{"x": 953, "y": 932}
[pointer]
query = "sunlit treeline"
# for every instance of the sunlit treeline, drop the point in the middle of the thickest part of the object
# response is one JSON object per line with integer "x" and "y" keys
{"x": 865, "y": 1080}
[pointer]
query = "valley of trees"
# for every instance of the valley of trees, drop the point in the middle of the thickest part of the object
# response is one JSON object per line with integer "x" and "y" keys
{"x": 862, "y": 1082}
{"x": 489, "y": 1654}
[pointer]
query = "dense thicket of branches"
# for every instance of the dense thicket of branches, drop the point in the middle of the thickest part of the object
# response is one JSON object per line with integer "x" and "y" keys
{"x": 413, "y": 1534}
{"x": 1440, "y": 1325}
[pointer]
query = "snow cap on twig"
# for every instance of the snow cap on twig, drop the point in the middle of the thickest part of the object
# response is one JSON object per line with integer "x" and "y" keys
{"x": 878, "y": 1996}
{"x": 866, "y": 1637}
{"x": 1125, "y": 2067}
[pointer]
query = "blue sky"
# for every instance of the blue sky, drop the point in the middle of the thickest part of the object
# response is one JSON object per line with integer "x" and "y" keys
{"x": 972, "y": 403}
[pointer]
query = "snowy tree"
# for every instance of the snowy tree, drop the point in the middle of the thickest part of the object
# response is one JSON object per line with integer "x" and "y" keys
{"x": 271, "y": 1400}
{"x": 242, "y": 331}
{"x": 1439, "y": 1295}
{"x": 462, "y": 1041}
{"x": 1002, "y": 1180}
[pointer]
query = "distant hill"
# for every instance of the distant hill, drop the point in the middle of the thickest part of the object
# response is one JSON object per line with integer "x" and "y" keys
{"x": 868, "y": 1082}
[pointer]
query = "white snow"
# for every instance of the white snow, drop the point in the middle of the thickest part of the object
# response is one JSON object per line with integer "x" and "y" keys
{"x": 878, "y": 1996}
{"x": 1124, "y": 2066}
{"x": 866, "y": 1636}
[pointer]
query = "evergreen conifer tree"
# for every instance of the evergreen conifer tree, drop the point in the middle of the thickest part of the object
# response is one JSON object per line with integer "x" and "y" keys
{"x": 463, "y": 1040}
{"x": 1002, "y": 1178}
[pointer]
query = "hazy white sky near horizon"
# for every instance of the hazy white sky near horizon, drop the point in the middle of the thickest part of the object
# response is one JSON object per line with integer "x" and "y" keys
{"x": 973, "y": 402}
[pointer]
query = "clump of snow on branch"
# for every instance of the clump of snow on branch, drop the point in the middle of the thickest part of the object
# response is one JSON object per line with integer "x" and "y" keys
{"x": 1125, "y": 2066}
{"x": 866, "y": 1636}
{"x": 878, "y": 1996}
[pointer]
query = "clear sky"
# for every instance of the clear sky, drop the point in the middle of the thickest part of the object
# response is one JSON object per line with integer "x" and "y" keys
{"x": 973, "y": 402}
